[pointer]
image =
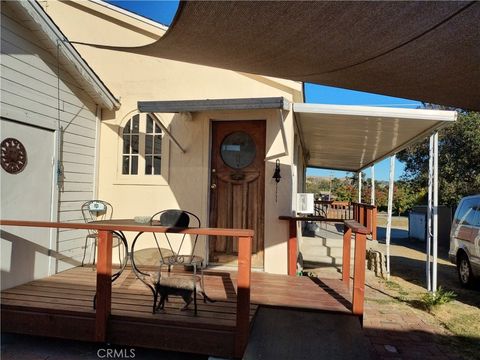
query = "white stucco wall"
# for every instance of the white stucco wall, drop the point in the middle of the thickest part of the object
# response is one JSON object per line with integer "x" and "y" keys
{"x": 185, "y": 177}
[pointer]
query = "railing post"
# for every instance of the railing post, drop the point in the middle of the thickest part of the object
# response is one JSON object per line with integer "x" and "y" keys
{"x": 368, "y": 223}
{"x": 104, "y": 285}
{"x": 361, "y": 217}
{"x": 292, "y": 247}
{"x": 347, "y": 240}
{"x": 243, "y": 294}
{"x": 374, "y": 223}
{"x": 359, "y": 275}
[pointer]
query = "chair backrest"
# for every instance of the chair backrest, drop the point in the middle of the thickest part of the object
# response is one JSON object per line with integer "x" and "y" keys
{"x": 176, "y": 218}
{"x": 95, "y": 210}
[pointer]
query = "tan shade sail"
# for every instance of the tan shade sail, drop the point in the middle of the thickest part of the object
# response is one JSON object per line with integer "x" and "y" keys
{"x": 354, "y": 137}
{"x": 428, "y": 51}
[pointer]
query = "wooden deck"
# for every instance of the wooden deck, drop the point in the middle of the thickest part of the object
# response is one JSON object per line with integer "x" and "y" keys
{"x": 61, "y": 306}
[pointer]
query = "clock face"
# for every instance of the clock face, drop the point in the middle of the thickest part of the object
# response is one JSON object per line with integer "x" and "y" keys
{"x": 14, "y": 156}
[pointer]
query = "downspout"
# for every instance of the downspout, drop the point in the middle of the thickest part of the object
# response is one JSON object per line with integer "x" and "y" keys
{"x": 96, "y": 162}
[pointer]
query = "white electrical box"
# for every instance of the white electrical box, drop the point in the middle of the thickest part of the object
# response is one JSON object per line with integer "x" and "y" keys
{"x": 305, "y": 203}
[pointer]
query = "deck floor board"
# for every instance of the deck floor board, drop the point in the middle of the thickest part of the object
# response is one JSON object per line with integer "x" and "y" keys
{"x": 38, "y": 306}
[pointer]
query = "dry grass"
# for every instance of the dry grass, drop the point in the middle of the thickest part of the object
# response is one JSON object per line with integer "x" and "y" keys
{"x": 398, "y": 222}
{"x": 458, "y": 317}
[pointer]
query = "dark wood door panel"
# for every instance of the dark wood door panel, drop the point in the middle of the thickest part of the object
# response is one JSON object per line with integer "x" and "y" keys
{"x": 237, "y": 194}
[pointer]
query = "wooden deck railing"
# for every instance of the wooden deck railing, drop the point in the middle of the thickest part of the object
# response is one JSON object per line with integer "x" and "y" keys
{"x": 350, "y": 227}
{"x": 104, "y": 269}
{"x": 366, "y": 215}
{"x": 293, "y": 238}
{"x": 333, "y": 209}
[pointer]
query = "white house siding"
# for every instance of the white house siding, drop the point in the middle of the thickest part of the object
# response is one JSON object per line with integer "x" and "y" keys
{"x": 30, "y": 92}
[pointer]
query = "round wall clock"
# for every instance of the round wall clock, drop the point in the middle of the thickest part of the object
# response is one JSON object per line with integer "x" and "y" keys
{"x": 14, "y": 156}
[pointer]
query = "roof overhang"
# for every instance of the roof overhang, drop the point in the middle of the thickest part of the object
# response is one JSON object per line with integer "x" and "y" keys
{"x": 178, "y": 106}
{"x": 35, "y": 18}
{"x": 352, "y": 138}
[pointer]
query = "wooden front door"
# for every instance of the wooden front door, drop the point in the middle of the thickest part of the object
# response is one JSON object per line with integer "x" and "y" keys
{"x": 237, "y": 189}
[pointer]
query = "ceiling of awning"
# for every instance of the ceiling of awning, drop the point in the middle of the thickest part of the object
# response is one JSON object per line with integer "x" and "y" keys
{"x": 422, "y": 50}
{"x": 352, "y": 138}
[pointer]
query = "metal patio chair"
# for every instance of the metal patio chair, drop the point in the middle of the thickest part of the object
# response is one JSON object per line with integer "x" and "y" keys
{"x": 98, "y": 210}
{"x": 170, "y": 249}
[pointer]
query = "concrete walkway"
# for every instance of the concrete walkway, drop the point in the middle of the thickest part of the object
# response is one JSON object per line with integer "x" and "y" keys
{"x": 293, "y": 334}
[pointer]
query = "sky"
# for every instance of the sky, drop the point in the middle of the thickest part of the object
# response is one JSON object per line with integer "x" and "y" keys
{"x": 164, "y": 12}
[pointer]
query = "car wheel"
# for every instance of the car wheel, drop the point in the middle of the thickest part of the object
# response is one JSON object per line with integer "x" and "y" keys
{"x": 464, "y": 271}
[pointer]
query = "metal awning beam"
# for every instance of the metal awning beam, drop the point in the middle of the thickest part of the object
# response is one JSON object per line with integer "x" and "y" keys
{"x": 167, "y": 132}
{"x": 176, "y": 106}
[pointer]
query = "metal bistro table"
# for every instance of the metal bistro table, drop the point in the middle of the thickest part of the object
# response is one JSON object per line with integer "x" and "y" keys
{"x": 163, "y": 257}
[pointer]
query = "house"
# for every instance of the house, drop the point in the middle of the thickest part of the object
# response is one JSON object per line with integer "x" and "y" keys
{"x": 51, "y": 106}
{"x": 208, "y": 140}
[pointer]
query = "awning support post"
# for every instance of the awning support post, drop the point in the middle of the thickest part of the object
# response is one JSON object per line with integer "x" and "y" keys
{"x": 359, "y": 187}
{"x": 429, "y": 216}
{"x": 435, "y": 211}
{"x": 389, "y": 215}
{"x": 372, "y": 196}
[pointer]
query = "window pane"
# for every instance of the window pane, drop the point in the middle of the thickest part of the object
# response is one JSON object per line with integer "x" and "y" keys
{"x": 126, "y": 129}
{"x": 148, "y": 144}
{"x": 148, "y": 165}
{"x": 149, "y": 125}
{"x": 158, "y": 144}
{"x": 238, "y": 150}
{"x": 157, "y": 129}
{"x": 134, "y": 170}
{"x": 126, "y": 144}
{"x": 135, "y": 127}
{"x": 477, "y": 218}
{"x": 125, "y": 165}
{"x": 157, "y": 165}
{"x": 134, "y": 144}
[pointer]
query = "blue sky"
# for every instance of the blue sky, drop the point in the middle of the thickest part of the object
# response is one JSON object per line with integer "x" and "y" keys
{"x": 164, "y": 11}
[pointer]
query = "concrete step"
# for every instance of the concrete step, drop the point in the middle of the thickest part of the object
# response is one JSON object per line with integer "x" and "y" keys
{"x": 316, "y": 241}
{"x": 324, "y": 250}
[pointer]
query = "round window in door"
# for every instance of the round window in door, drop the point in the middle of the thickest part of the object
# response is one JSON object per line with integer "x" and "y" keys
{"x": 238, "y": 150}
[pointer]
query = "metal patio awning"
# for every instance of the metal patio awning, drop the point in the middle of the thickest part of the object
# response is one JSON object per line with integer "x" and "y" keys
{"x": 340, "y": 137}
{"x": 352, "y": 138}
{"x": 422, "y": 50}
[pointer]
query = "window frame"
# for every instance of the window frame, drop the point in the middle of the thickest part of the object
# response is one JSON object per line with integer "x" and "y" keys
{"x": 141, "y": 178}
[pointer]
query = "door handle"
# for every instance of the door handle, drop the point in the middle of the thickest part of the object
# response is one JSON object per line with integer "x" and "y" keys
{"x": 213, "y": 186}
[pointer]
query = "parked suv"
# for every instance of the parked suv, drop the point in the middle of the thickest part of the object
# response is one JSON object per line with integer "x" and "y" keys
{"x": 465, "y": 240}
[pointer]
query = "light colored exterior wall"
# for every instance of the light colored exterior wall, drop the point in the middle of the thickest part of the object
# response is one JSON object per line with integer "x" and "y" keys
{"x": 185, "y": 179}
{"x": 30, "y": 93}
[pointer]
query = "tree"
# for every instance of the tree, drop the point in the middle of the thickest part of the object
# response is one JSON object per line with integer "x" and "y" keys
{"x": 403, "y": 197}
{"x": 459, "y": 161}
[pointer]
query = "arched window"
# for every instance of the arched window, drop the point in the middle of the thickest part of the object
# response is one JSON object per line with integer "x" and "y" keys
{"x": 142, "y": 146}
